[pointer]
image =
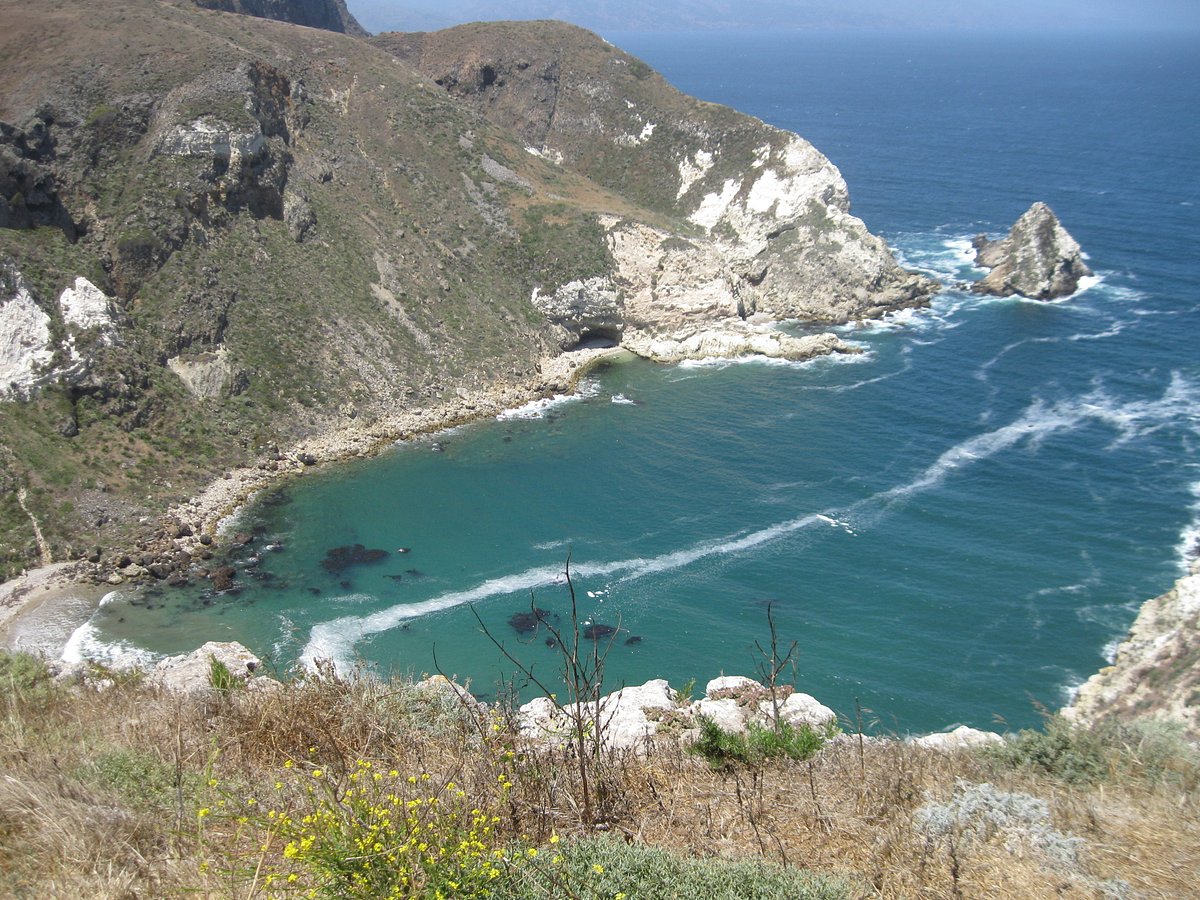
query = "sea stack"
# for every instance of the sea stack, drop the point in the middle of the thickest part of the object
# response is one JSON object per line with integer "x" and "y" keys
{"x": 1038, "y": 259}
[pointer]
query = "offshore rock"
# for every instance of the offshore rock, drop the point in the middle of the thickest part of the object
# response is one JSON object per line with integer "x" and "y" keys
{"x": 1038, "y": 259}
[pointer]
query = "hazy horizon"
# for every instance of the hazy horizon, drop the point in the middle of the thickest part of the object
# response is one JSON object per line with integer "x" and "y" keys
{"x": 703, "y": 15}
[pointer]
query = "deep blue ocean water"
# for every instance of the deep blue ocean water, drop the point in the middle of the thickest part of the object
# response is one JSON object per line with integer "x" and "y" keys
{"x": 955, "y": 526}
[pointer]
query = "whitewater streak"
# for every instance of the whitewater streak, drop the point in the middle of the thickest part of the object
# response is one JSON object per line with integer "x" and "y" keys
{"x": 1180, "y": 403}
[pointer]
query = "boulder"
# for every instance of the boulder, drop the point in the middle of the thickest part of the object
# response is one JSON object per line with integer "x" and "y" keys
{"x": 726, "y": 714}
{"x": 191, "y": 673}
{"x": 1038, "y": 259}
{"x": 729, "y": 684}
{"x": 961, "y": 738}
{"x": 799, "y": 709}
{"x": 622, "y": 714}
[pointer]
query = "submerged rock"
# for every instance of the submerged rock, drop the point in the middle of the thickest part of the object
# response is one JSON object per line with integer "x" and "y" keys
{"x": 338, "y": 559}
{"x": 1038, "y": 259}
{"x": 597, "y": 631}
{"x": 528, "y": 622}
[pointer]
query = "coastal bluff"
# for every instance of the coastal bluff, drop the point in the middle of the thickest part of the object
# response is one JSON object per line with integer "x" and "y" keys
{"x": 1156, "y": 669}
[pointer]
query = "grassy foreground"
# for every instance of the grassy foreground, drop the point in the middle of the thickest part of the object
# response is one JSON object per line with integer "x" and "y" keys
{"x": 362, "y": 788}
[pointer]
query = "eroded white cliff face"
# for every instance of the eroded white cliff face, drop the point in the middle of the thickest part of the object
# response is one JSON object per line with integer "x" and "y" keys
{"x": 1154, "y": 671}
{"x": 671, "y": 299}
{"x": 27, "y": 345}
{"x": 774, "y": 191}
{"x": 25, "y": 348}
{"x": 772, "y": 241}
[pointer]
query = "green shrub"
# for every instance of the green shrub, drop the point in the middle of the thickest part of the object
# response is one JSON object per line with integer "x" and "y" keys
{"x": 723, "y": 748}
{"x": 219, "y": 676}
{"x": 24, "y": 678}
{"x": 143, "y": 780}
{"x": 1146, "y": 749}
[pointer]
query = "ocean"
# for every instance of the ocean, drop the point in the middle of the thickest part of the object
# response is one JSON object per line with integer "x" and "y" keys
{"x": 955, "y": 526}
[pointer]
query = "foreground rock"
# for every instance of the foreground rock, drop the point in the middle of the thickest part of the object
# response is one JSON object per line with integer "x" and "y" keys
{"x": 192, "y": 673}
{"x": 961, "y": 738}
{"x": 633, "y": 717}
{"x": 1038, "y": 259}
{"x": 1157, "y": 668}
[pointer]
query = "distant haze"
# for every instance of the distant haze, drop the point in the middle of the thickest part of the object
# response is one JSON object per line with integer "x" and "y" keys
{"x": 702, "y": 15}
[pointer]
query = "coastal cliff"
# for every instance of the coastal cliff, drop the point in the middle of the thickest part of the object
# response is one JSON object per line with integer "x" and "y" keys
{"x": 251, "y": 234}
{"x": 1156, "y": 669}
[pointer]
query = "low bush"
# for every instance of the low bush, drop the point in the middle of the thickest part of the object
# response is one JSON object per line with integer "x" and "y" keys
{"x": 1147, "y": 750}
{"x": 723, "y": 748}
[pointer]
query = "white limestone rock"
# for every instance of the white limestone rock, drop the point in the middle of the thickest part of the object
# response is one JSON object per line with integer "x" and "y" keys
{"x": 797, "y": 710}
{"x": 725, "y": 684}
{"x": 727, "y": 714}
{"x": 1038, "y": 259}
{"x": 205, "y": 375}
{"x": 624, "y": 722}
{"x": 582, "y": 308}
{"x": 191, "y": 673}
{"x": 27, "y": 350}
{"x": 961, "y": 738}
{"x": 25, "y": 346}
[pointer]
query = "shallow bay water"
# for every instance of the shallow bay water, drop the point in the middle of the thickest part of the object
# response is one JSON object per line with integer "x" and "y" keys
{"x": 954, "y": 525}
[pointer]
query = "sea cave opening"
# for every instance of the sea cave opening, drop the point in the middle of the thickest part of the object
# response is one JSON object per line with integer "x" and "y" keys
{"x": 596, "y": 339}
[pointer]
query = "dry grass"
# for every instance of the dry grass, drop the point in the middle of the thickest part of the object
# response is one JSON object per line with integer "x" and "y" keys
{"x": 100, "y": 789}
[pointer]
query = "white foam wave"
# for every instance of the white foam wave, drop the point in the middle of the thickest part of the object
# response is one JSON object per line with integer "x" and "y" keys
{"x": 335, "y": 640}
{"x": 948, "y": 259}
{"x": 348, "y": 599}
{"x": 723, "y": 362}
{"x": 1180, "y": 402}
{"x": 622, "y": 400}
{"x": 1188, "y": 549}
{"x": 85, "y": 644}
{"x": 537, "y": 409}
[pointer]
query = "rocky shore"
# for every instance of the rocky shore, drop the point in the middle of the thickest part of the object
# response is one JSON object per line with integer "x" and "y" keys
{"x": 178, "y": 547}
{"x": 1156, "y": 670}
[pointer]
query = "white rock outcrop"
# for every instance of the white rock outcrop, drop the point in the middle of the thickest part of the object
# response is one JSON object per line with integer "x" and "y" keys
{"x": 1164, "y": 641}
{"x": 191, "y": 673}
{"x": 961, "y": 738}
{"x": 633, "y": 717}
{"x": 205, "y": 375}
{"x": 672, "y": 299}
{"x": 25, "y": 346}
{"x": 28, "y": 350}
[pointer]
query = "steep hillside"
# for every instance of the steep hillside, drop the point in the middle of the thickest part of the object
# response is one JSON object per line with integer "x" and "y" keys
{"x": 287, "y": 228}
{"x": 770, "y": 204}
{"x": 220, "y": 234}
{"x": 331, "y": 15}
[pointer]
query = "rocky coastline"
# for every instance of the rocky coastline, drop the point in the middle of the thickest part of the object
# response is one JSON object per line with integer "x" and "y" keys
{"x": 1156, "y": 669}
{"x": 1153, "y": 672}
{"x": 177, "y": 547}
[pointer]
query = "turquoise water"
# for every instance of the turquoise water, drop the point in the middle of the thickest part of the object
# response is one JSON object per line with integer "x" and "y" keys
{"x": 954, "y": 526}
